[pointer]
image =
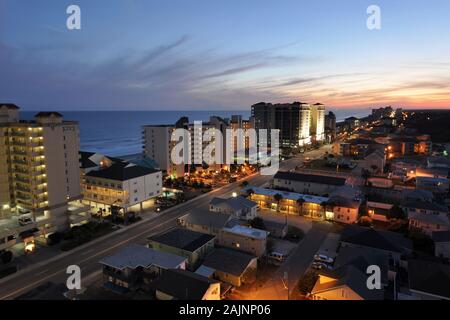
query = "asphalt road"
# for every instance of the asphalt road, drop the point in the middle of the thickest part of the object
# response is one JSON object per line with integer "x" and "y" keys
{"x": 88, "y": 255}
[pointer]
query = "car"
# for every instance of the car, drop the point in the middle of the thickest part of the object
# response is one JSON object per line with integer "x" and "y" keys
{"x": 277, "y": 256}
{"x": 323, "y": 258}
{"x": 23, "y": 221}
{"x": 321, "y": 266}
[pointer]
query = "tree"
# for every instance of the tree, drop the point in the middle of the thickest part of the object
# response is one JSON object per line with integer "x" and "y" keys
{"x": 6, "y": 256}
{"x": 244, "y": 184}
{"x": 250, "y": 192}
{"x": 396, "y": 213}
{"x": 278, "y": 197}
{"x": 307, "y": 282}
{"x": 365, "y": 174}
{"x": 365, "y": 221}
{"x": 258, "y": 223}
{"x": 374, "y": 168}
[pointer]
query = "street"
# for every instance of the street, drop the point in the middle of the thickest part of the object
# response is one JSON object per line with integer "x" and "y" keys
{"x": 88, "y": 255}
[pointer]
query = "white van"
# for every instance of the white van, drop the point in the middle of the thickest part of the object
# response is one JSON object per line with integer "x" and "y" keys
{"x": 276, "y": 256}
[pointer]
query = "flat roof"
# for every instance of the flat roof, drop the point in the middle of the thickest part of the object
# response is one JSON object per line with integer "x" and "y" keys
{"x": 287, "y": 195}
{"x": 247, "y": 231}
{"x": 312, "y": 178}
{"x": 183, "y": 239}
{"x": 135, "y": 255}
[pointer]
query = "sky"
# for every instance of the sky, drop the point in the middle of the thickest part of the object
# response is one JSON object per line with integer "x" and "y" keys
{"x": 223, "y": 54}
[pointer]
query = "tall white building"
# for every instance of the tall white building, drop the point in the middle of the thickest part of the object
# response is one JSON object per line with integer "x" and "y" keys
{"x": 39, "y": 176}
{"x": 304, "y": 124}
{"x": 318, "y": 122}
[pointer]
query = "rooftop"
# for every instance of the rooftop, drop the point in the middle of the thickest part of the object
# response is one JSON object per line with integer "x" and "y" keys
{"x": 287, "y": 195}
{"x": 425, "y": 205}
{"x": 294, "y": 176}
{"x": 9, "y": 106}
{"x": 134, "y": 256}
{"x": 247, "y": 231}
{"x": 207, "y": 218}
{"x": 377, "y": 239}
{"x": 429, "y": 277}
{"x": 236, "y": 203}
{"x": 121, "y": 171}
{"x": 228, "y": 261}
{"x": 441, "y": 236}
{"x": 182, "y": 284}
{"x": 183, "y": 239}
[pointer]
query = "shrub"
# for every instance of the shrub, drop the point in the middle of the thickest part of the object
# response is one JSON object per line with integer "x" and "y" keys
{"x": 6, "y": 256}
{"x": 54, "y": 238}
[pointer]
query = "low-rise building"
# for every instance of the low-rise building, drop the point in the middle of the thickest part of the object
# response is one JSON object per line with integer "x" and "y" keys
{"x": 177, "y": 284}
{"x": 441, "y": 244}
{"x": 135, "y": 266}
{"x": 231, "y": 266}
{"x": 307, "y": 183}
{"x": 395, "y": 245}
{"x": 239, "y": 207}
{"x": 436, "y": 185}
{"x": 426, "y": 217}
{"x": 121, "y": 185}
{"x": 348, "y": 279}
{"x": 245, "y": 239}
{"x": 205, "y": 221}
{"x": 194, "y": 246}
{"x": 345, "y": 210}
{"x": 429, "y": 280}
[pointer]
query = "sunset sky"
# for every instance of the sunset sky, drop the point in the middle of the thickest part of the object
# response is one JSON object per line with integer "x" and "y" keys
{"x": 223, "y": 54}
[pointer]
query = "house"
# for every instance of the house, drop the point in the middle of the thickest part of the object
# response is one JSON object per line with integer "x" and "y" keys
{"x": 374, "y": 162}
{"x": 426, "y": 217}
{"x": 434, "y": 184}
{"x": 348, "y": 279}
{"x": 344, "y": 203}
{"x": 205, "y": 221}
{"x": 441, "y": 244}
{"x": 429, "y": 280}
{"x": 438, "y": 163}
{"x": 395, "y": 245}
{"x": 233, "y": 267}
{"x": 244, "y": 239}
{"x": 239, "y": 207}
{"x": 378, "y": 208}
{"x": 276, "y": 229}
{"x": 176, "y": 284}
{"x": 193, "y": 246}
{"x": 135, "y": 266}
{"x": 112, "y": 184}
{"x": 307, "y": 183}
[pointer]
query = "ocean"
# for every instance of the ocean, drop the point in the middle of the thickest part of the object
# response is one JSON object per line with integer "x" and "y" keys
{"x": 118, "y": 133}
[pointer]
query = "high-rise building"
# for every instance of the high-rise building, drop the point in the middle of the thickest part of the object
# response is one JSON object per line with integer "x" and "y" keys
{"x": 330, "y": 126}
{"x": 318, "y": 122}
{"x": 39, "y": 175}
{"x": 293, "y": 121}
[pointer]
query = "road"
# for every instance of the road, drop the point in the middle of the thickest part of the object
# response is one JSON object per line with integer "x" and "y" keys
{"x": 294, "y": 266}
{"x": 88, "y": 255}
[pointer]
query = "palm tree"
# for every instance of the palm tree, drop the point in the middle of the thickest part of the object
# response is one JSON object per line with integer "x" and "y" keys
{"x": 278, "y": 197}
{"x": 300, "y": 202}
{"x": 250, "y": 192}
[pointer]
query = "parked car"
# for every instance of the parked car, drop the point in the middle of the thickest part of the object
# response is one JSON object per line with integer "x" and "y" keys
{"x": 23, "y": 221}
{"x": 323, "y": 258}
{"x": 321, "y": 266}
{"x": 277, "y": 256}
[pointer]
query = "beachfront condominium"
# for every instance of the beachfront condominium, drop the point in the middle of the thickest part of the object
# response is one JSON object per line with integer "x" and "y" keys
{"x": 158, "y": 145}
{"x": 318, "y": 122}
{"x": 40, "y": 190}
{"x": 292, "y": 119}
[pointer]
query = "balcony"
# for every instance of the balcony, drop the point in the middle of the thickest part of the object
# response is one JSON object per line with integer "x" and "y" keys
{"x": 23, "y": 189}
{"x": 19, "y": 152}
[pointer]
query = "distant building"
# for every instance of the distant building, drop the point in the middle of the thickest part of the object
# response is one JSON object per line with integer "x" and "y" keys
{"x": 194, "y": 246}
{"x": 441, "y": 244}
{"x": 244, "y": 239}
{"x": 238, "y": 207}
{"x": 307, "y": 183}
{"x": 135, "y": 267}
{"x": 426, "y": 217}
{"x": 39, "y": 176}
{"x": 293, "y": 121}
{"x": 176, "y": 284}
{"x": 330, "y": 126}
{"x": 317, "y": 128}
